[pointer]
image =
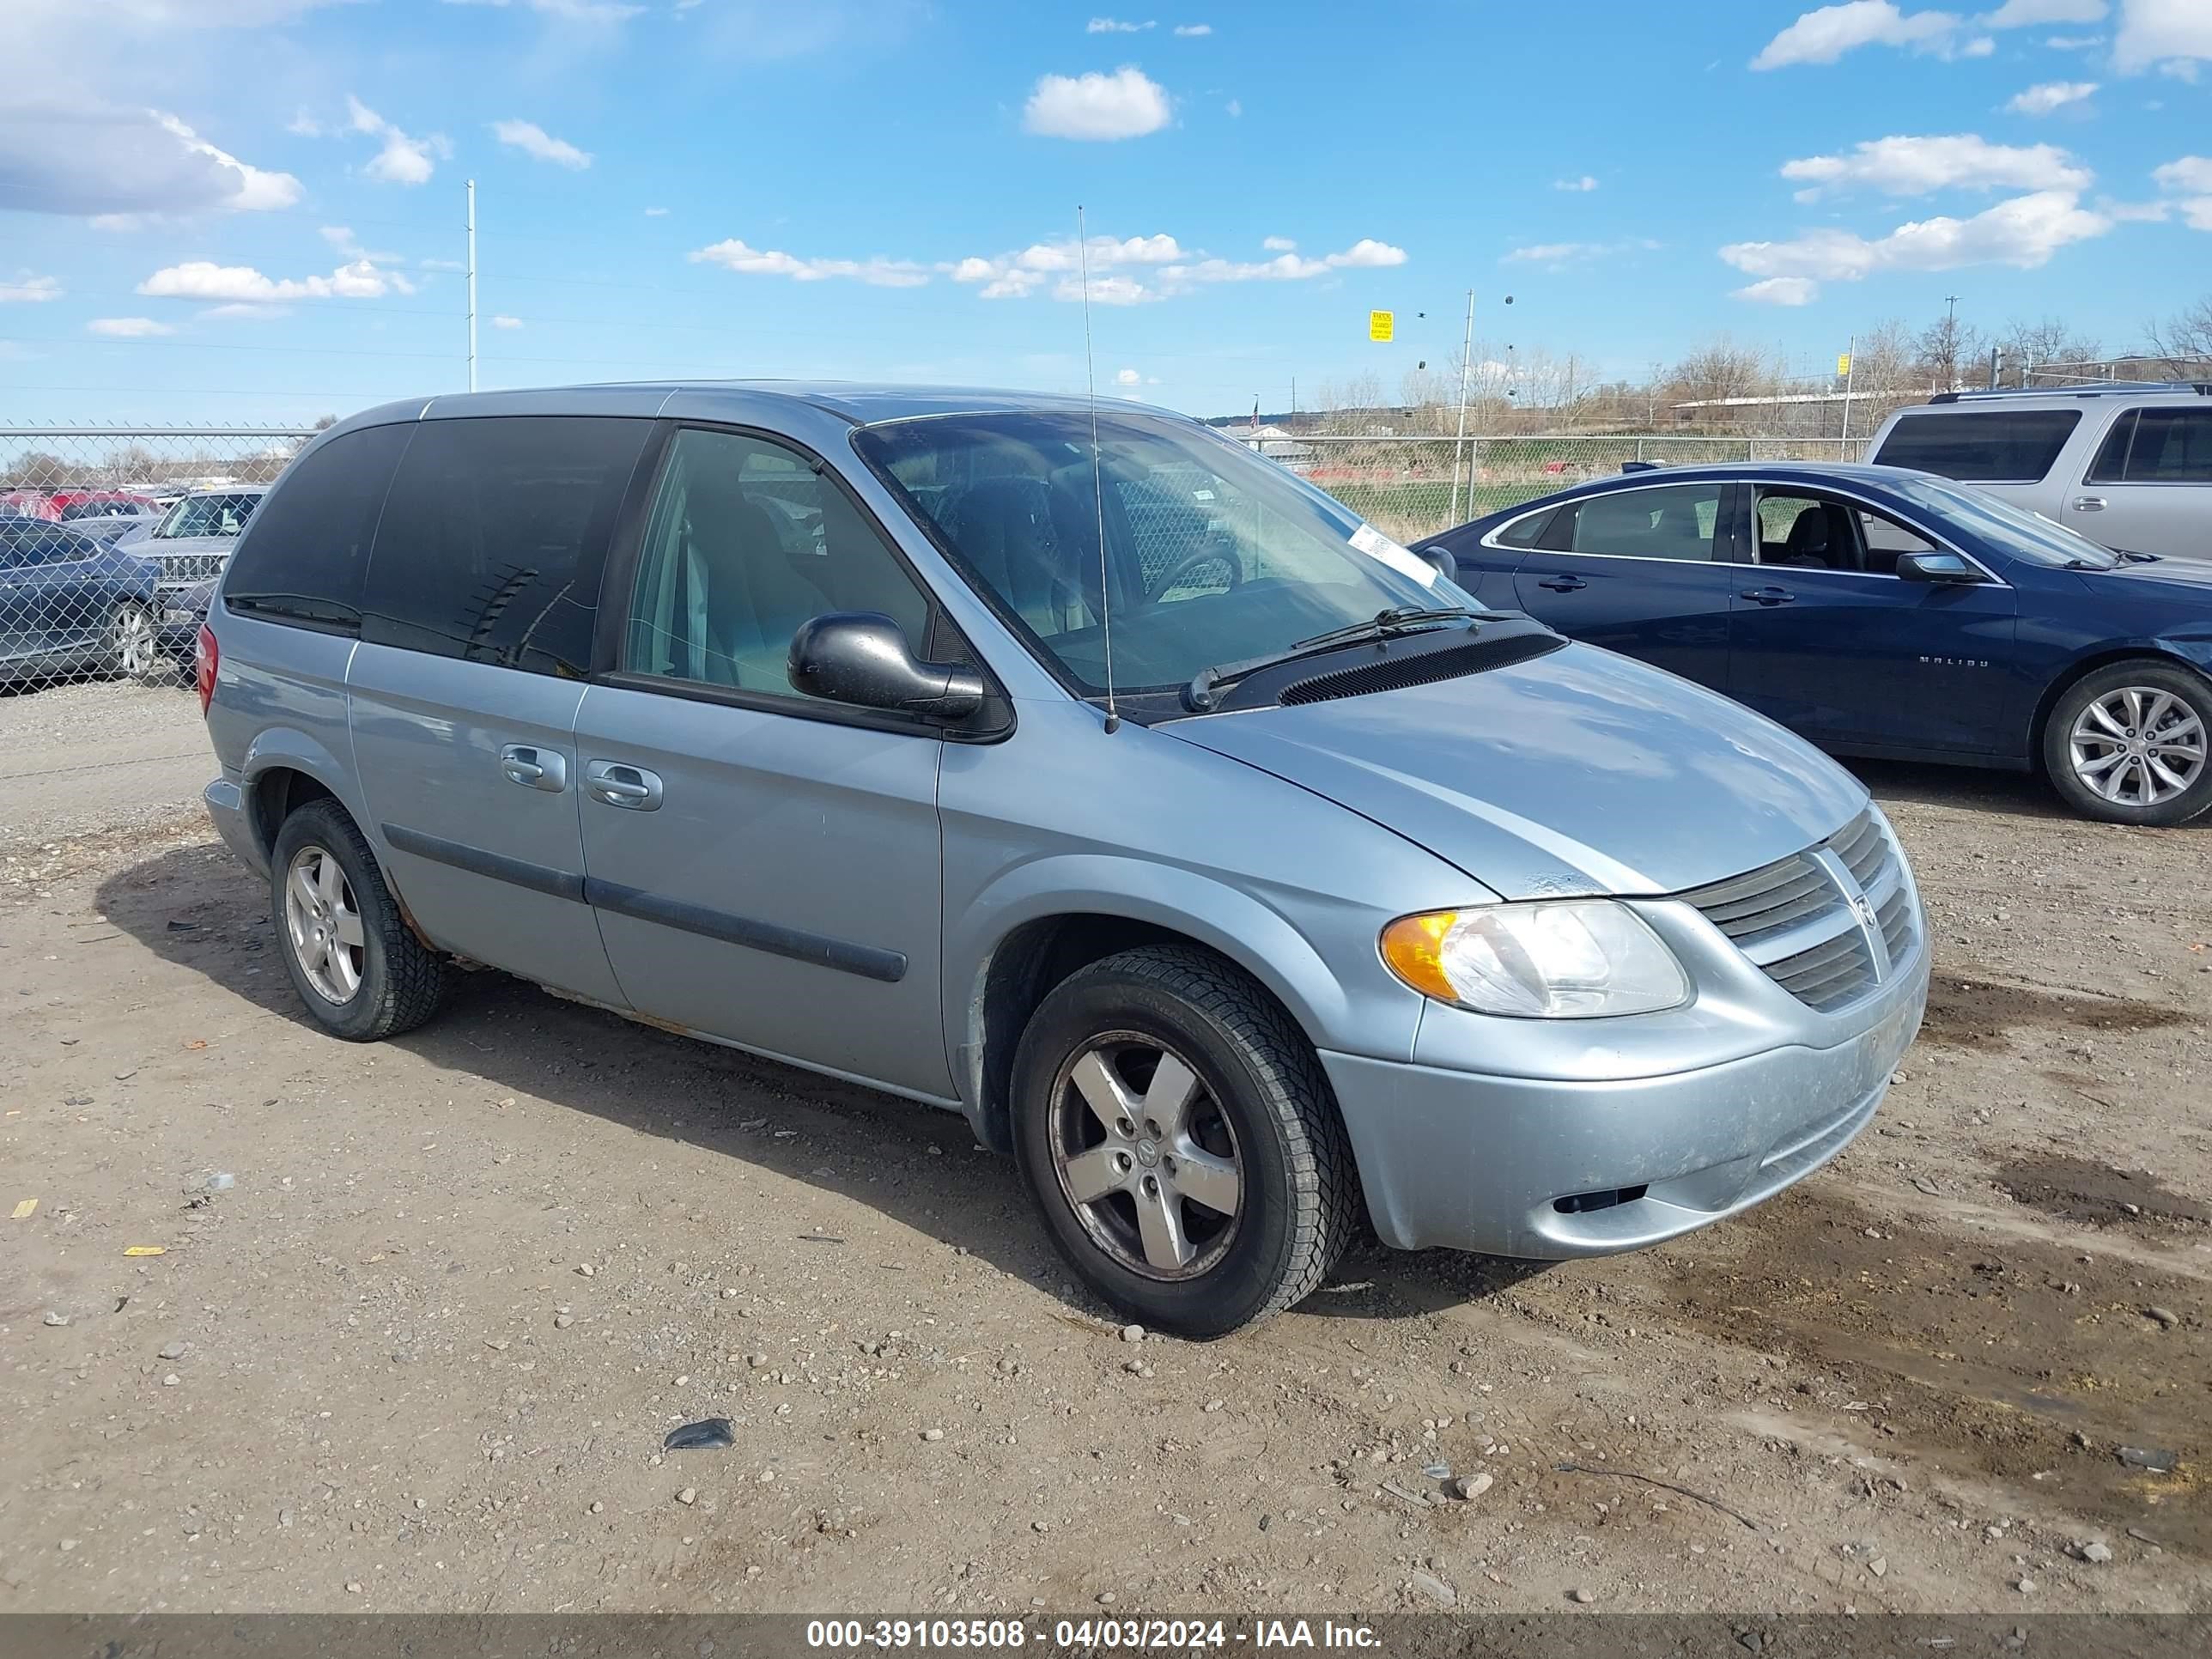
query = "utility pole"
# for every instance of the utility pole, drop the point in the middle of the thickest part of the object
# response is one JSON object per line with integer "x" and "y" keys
{"x": 1851, "y": 368}
{"x": 473, "y": 285}
{"x": 1459, "y": 444}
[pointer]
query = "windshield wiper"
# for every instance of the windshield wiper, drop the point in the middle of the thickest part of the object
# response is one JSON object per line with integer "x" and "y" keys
{"x": 1198, "y": 696}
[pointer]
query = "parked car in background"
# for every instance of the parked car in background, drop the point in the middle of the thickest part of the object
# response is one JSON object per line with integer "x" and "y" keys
{"x": 28, "y": 504}
{"x": 193, "y": 540}
{"x": 177, "y": 627}
{"x": 118, "y": 528}
{"x": 2129, "y": 466}
{"x": 77, "y": 504}
{"x": 1881, "y": 612}
{"x": 71, "y": 604}
{"x": 1071, "y": 767}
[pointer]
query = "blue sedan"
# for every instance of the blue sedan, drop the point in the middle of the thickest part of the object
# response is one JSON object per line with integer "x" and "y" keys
{"x": 1882, "y": 612}
{"x": 71, "y": 603}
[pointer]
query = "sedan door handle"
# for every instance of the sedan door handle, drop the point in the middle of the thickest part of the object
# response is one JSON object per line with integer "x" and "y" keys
{"x": 534, "y": 768}
{"x": 616, "y": 783}
{"x": 1770, "y": 595}
{"x": 2088, "y": 503}
{"x": 1563, "y": 584}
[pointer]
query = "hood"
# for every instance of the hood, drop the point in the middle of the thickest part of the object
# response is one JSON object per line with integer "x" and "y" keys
{"x": 157, "y": 547}
{"x": 1577, "y": 771}
{"x": 2178, "y": 581}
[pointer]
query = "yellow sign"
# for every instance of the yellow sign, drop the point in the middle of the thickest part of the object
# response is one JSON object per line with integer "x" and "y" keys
{"x": 1842, "y": 362}
{"x": 1380, "y": 325}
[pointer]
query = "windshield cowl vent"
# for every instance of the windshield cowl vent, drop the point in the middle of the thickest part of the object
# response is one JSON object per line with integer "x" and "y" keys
{"x": 1393, "y": 674}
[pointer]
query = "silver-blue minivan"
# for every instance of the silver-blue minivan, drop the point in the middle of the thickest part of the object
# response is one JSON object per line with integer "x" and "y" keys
{"x": 1072, "y": 767}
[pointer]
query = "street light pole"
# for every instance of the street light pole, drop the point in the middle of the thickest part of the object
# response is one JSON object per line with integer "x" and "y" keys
{"x": 1459, "y": 444}
{"x": 473, "y": 285}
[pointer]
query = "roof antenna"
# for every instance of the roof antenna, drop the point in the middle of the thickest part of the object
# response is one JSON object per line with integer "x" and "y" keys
{"x": 1097, "y": 482}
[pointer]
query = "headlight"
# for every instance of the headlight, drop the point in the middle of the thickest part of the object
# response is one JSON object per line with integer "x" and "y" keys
{"x": 1557, "y": 959}
{"x": 174, "y": 614}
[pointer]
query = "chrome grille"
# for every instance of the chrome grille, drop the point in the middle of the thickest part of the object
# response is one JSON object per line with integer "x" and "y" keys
{"x": 1795, "y": 920}
{"x": 184, "y": 569}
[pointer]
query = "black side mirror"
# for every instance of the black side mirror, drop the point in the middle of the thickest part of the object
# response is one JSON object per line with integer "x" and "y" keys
{"x": 1445, "y": 565}
{"x": 860, "y": 658}
{"x": 1937, "y": 567}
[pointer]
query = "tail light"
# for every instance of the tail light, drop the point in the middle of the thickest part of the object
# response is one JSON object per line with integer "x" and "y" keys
{"x": 206, "y": 657}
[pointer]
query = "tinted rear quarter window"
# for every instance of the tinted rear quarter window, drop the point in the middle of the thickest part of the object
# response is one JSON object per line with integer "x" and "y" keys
{"x": 494, "y": 537}
{"x": 2172, "y": 445}
{"x": 306, "y": 549}
{"x": 1981, "y": 446}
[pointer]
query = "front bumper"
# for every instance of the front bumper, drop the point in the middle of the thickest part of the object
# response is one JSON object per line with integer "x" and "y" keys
{"x": 1478, "y": 1162}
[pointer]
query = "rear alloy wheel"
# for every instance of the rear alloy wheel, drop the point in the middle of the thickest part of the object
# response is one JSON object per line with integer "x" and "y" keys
{"x": 359, "y": 970}
{"x": 1182, "y": 1141}
{"x": 130, "y": 648}
{"x": 2128, "y": 744}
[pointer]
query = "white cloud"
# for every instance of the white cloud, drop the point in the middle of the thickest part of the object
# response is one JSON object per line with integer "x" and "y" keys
{"x": 1164, "y": 268}
{"x": 656, "y": 213}
{"x": 507, "y": 322}
{"x": 126, "y": 328}
{"x": 2023, "y": 232}
{"x": 1278, "y": 244}
{"x": 572, "y": 11}
{"x": 2161, "y": 32}
{"x": 27, "y": 289}
{"x": 1824, "y": 35}
{"x": 2074, "y": 42}
{"x": 2028, "y": 14}
{"x": 1194, "y": 31}
{"x": 1113, "y": 26}
{"x": 2190, "y": 178}
{"x": 1918, "y": 167}
{"x": 538, "y": 145}
{"x": 2048, "y": 96}
{"x": 202, "y": 279}
{"x": 733, "y": 254}
{"x": 78, "y": 157}
{"x": 1127, "y": 104}
{"x": 1128, "y": 377}
{"x": 1557, "y": 256}
{"x": 1779, "y": 291}
{"x": 1980, "y": 46}
{"x": 1581, "y": 184}
{"x": 1235, "y": 106}
{"x": 403, "y": 159}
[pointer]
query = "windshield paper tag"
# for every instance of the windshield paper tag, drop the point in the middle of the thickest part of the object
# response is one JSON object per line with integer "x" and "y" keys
{"x": 1377, "y": 545}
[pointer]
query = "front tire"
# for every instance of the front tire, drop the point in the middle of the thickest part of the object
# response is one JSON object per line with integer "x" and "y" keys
{"x": 1182, "y": 1141}
{"x": 2127, "y": 744}
{"x": 361, "y": 975}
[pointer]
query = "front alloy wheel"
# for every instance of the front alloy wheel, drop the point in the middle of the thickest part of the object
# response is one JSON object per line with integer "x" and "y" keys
{"x": 2127, "y": 744}
{"x": 130, "y": 642}
{"x": 1146, "y": 1157}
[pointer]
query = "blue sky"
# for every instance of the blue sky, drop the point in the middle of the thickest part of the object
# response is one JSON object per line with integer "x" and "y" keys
{"x": 252, "y": 209}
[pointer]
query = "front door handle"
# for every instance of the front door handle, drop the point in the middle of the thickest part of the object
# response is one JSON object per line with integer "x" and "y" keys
{"x": 2088, "y": 503}
{"x": 1770, "y": 595}
{"x": 617, "y": 783}
{"x": 1564, "y": 584}
{"x": 534, "y": 768}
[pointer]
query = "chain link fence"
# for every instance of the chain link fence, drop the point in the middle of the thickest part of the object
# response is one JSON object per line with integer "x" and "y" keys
{"x": 1408, "y": 486}
{"x": 110, "y": 539}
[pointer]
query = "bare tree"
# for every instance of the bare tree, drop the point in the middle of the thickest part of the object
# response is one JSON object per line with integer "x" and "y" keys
{"x": 2185, "y": 337}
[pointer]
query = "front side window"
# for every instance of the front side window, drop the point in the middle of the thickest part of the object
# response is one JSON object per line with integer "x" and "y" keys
{"x": 746, "y": 541}
{"x": 1674, "y": 521}
{"x": 1807, "y": 532}
{"x": 1211, "y": 554}
{"x": 493, "y": 538}
{"x": 1980, "y": 445}
{"x": 208, "y": 516}
{"x": 2172, "y": 445}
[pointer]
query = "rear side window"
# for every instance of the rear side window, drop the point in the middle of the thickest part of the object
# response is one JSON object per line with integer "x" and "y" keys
{"x": 1673, "y": 522}
{"x": 1526, "y": 532}
{"x": 1981, "y": 446}
{"x": 306, "y": 550}
{"x": 494, "y": 537}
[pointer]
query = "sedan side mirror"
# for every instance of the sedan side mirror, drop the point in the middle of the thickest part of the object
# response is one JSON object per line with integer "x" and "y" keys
{"x": 1937, "y": 567}
{"x": 1446, "y": 565}
{"x": 860, "y": 658}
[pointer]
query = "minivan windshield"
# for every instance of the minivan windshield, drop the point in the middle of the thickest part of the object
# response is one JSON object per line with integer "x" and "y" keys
{"x": 2022, "y": 534}
{"x": 1212, "y": 554}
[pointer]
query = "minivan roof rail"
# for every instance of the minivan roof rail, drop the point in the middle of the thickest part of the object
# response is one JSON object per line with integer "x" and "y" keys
{"x": 2102, "y": 389}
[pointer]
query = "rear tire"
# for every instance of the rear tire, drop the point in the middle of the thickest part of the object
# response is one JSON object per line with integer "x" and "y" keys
{"x": 2127, "y": 743}
{"x": 361, "y": 973}
{"x": 1182, "y": 1141}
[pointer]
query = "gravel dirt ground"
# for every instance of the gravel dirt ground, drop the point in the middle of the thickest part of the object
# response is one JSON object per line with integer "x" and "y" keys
{"x": 424, "y": 1311}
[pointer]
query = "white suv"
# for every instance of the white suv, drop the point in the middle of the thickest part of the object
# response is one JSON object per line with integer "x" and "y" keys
{"x": 2127, "y": 465}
